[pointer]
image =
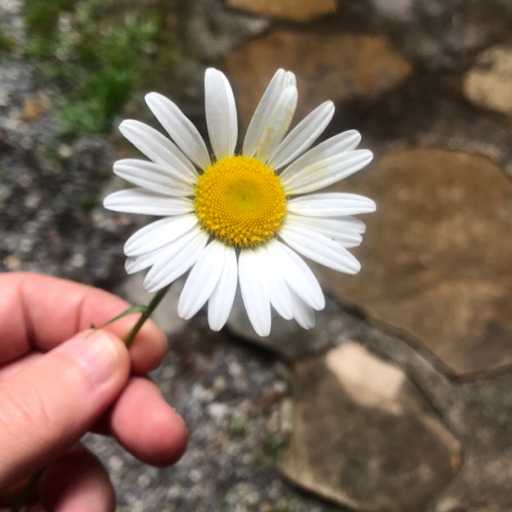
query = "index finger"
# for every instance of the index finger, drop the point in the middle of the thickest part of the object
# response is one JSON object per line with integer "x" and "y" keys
{"x": 39, "y": 312}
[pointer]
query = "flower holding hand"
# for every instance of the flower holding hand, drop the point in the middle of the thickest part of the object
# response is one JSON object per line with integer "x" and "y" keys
{"x": 233, "y": 220}
{"x": 59, "y": 380}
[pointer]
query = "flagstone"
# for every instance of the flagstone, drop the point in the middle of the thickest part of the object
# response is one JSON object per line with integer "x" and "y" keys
{"x": 437, "y": 255}
{"x": 402, "y": 457}
{"x": 487, "y": 83}
{"x": 291, "y": 10}
{"x": 350, "y": 66}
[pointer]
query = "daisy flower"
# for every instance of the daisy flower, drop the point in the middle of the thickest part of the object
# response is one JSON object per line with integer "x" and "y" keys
{"x": 242, "y": 218}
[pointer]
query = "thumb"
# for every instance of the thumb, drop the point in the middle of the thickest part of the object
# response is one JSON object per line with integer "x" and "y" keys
{"x": 48, "y": 406}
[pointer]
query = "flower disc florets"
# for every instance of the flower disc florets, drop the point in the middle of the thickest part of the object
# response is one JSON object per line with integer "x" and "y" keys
{"x": 240, "y": 201}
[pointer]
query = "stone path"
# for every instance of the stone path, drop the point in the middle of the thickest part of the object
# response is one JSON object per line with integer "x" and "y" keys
{"x": 400, "y": 398}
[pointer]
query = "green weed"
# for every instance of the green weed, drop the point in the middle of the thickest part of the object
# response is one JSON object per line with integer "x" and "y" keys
{"x": 97, "y": 51}
{"x": 7, "y": 44}
{"x": 238, "y": 428}
{"x": 272, "y": 447}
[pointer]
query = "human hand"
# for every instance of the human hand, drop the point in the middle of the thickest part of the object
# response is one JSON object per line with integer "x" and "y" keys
{"x": 58, "y": 380}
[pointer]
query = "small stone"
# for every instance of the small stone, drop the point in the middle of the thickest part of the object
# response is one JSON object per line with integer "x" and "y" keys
{"x": 12, "y": 262}
{"x": 34, "y": 106}
{"x": 26, "y": 245}
{"x": 333, "y": 66}
{"x": 437, "y": 255}
{"x": 218, "y": 411}
{"x": 364, "y": 436}
{"x": 115, "y": 463}
{"x": 78, "y": 260}
{"x": 64, "y": 151}
{"x": 143, "y": 481}
{"x": 4, "y": 98}
{"x": 488, "y": 83}
{"x": 291, "y": 10}
{"x": 399, "y": 10}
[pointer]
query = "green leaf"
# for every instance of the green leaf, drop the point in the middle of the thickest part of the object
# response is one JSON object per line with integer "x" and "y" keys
{"x": 129, "y": 311}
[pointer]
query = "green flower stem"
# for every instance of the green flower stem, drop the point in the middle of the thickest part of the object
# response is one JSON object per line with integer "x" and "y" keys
{"x": 145, "y": 315}
{"x": 26, "y": 492}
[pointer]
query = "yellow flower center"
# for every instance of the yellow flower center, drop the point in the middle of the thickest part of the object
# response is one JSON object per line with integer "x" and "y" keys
{"x": 240, "y": 201}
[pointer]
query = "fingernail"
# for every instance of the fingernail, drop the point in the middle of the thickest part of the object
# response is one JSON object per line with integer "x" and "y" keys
{"x": 97, "y": 354}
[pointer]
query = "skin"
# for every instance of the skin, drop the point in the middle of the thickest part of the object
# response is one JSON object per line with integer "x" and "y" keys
{"x": 59, "y": 380}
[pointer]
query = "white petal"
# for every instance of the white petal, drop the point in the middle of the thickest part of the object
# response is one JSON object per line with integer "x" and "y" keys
{"x": 278, "y": 290}
{"x": 175, "y": 259}
{"x": 151, "y": 176}
{"x": 138, "y": 200}
{"x": 202, "y": 280}
{"x": 333, "y": 146}
{"x": 159, "y": 233}
{"x": 254, "y": 292}
{"x": 332, "y": 204}
{"x": 303, "y": 314}
{"x": 326, "y": 172}
{"x": 279, "y": 295}
{"x": 348, "y": 224}
{"x": 297, "y": 274}
{"x": 338, "y": 230}
{"x": 269, "y": 101}
{"x": 158, "y": 148}
{"x": 137, "y": 263}
{"x": 321, "y": 249}
{"x": 278, "y": 123}
{"x": 221, "y": 117}
{"x": 221, "y": 300}
{"x": 302, "y": 136}
{"x": 180, "y": 128}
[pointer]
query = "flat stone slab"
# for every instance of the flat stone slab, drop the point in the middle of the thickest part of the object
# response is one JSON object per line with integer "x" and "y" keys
{"x": 437, "y": 255}
{"x": 477, "y": 412}
{"x": 291, "y": 10}
{"x": 401, "y": 458}
{"x": 329, "y": 65}
{"x": 487, "y": 83}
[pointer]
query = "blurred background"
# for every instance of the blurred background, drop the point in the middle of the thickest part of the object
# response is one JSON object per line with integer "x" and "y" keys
{"x": 399, "y": 399}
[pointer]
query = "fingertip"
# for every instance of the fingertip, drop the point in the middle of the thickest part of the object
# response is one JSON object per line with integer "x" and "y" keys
{"x": 155, "y": 434}
{"x": 171, "y": 433}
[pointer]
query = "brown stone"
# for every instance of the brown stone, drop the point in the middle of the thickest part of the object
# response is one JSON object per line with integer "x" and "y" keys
{"x": 437, "y": 255}
{"x": 291, "y": 10}
{"x": 34, "y": 106}
{"x": 364, "y": 436}
{"x": 331, "y": 66}
{"x": 487, "y": 83}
